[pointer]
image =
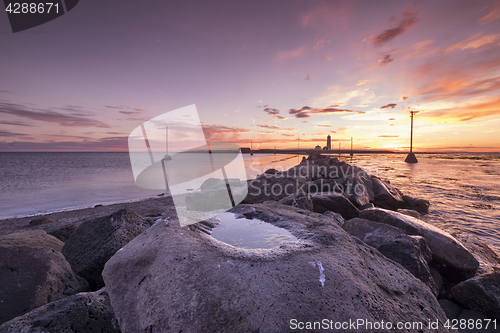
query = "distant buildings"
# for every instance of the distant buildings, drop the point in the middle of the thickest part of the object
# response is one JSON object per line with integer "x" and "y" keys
{"x": 328, "y": 143}
{"x": 317, "y": 148}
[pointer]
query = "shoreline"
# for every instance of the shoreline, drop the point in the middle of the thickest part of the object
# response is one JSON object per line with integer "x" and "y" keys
{"x": 148, "y": 207}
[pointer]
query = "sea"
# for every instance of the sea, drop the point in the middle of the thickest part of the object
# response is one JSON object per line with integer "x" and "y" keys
{"x": 463, "y": 188}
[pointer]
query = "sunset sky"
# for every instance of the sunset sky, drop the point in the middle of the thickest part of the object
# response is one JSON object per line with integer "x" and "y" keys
{"x": 261, "y": 71}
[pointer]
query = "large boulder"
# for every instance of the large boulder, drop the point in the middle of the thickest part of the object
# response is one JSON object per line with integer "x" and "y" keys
{"x": 416, "y": 204}
{"x": 454, "y": 259}
{"x": 488, "y": 259}
{"x": 410, "y": 251}
{"x": 481, "y": 293}
{"x": 37, "y": 238}
{"x": 334, "y": 202}
{"x": 359, "y": 190}
{"x": 273, "y": 187}
{"x": 33, "y": 276}
{"x": 95, "y": 241}
{"x": 83, "y": 312}
{"x": 63, "y": 233}
{"x": 172, "y": 279}
{"x": 386, "y": 195}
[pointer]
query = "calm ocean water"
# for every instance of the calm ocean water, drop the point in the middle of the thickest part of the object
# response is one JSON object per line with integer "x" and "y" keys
{"x": 464, "y": 189}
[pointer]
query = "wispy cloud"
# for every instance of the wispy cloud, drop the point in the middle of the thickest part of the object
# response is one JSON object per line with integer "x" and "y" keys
{"x": 360, "y": 82}
{"x": 274, "y": 127}
{"x": 50, "y": 116}
{"x": 306, "y": 111}
{"x": 387, "y": 59}
{"x": 320, "y": 43}
{"x": 271, "y": 111}
{"x": 493, "y": 15}
{"x": 284, "y": 55}
{"x": 10, "y": 134}
{"x": 119, "y": 143}
{"x": 408, "y": 21}
{"x": 473, "y": 43}
{"x": 486, "y": 108}
{"x": 388, "y": 136}
{"x": 308, "y": 77}
{"x": 223, "y": 133}
{"x": 387, "y": 106}
{"x": 17, "y": 123}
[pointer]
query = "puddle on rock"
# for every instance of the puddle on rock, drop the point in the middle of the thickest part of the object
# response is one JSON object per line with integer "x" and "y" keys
{"x": 249, "y": 234}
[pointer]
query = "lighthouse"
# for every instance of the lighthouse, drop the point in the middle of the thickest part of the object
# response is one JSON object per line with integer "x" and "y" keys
{"x": 329, "y": 143}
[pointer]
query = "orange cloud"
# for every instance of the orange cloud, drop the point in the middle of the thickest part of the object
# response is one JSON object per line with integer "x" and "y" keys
{"x": 320, "y": 43}
{"x": 284, "y": 55}
{"x": 493, "y": 15}
{"x": 475, "y": 42}
{"x": 455, "y": 84}
{"x": 489, "y": 107}
{"x": 388, "y": 136}
{"x": 223, "y": 133}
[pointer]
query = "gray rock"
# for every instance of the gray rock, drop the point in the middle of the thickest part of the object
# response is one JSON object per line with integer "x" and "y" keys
{"x": 216, "y": 183}
{"x": 299, "y": 200}
{"x": 273, "y": 187}
{"x": 386, "y": 196}
{"x": 359, "y": 190}
{"x": 481, "y": 293}
{"x": 170, "y": 279}
{"x": 409, "y": 212}
{"x": 97, "y": 240}
{"x": 334, "y": 202}
{"x": 339, "y": 220}
{"x": 80, "y": 313}
{"x": 409, "y": 251}
{"x": 64, "y": 233}
{"x": 451, "y": 309}
{"x": 488, "y": 259}
{"x": 438, "y": 279}
{"x": 367, "y": 206}
{"x": 416, "y": 204}
{"x": 208, "y": 200}
{"x": 37, "y": 238}
{"x": 446, "y": 250}
{"x": 33, "y": 276}
{"x": 41, "y": 220}
{"x": 323, "y": 185}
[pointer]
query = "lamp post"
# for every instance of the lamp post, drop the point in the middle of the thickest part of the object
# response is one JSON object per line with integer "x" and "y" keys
{"x": 411, "y": 158}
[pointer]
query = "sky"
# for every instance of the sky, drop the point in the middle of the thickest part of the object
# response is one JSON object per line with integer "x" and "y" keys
{"x": 259, "y": 72}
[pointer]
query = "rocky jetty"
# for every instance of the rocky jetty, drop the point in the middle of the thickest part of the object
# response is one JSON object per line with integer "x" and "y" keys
{"x": 172, "y": 279}
{"x": 362, "y": 254}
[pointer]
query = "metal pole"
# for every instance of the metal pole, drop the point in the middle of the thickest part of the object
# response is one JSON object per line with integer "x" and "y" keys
{"x": 411, "y": 132}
